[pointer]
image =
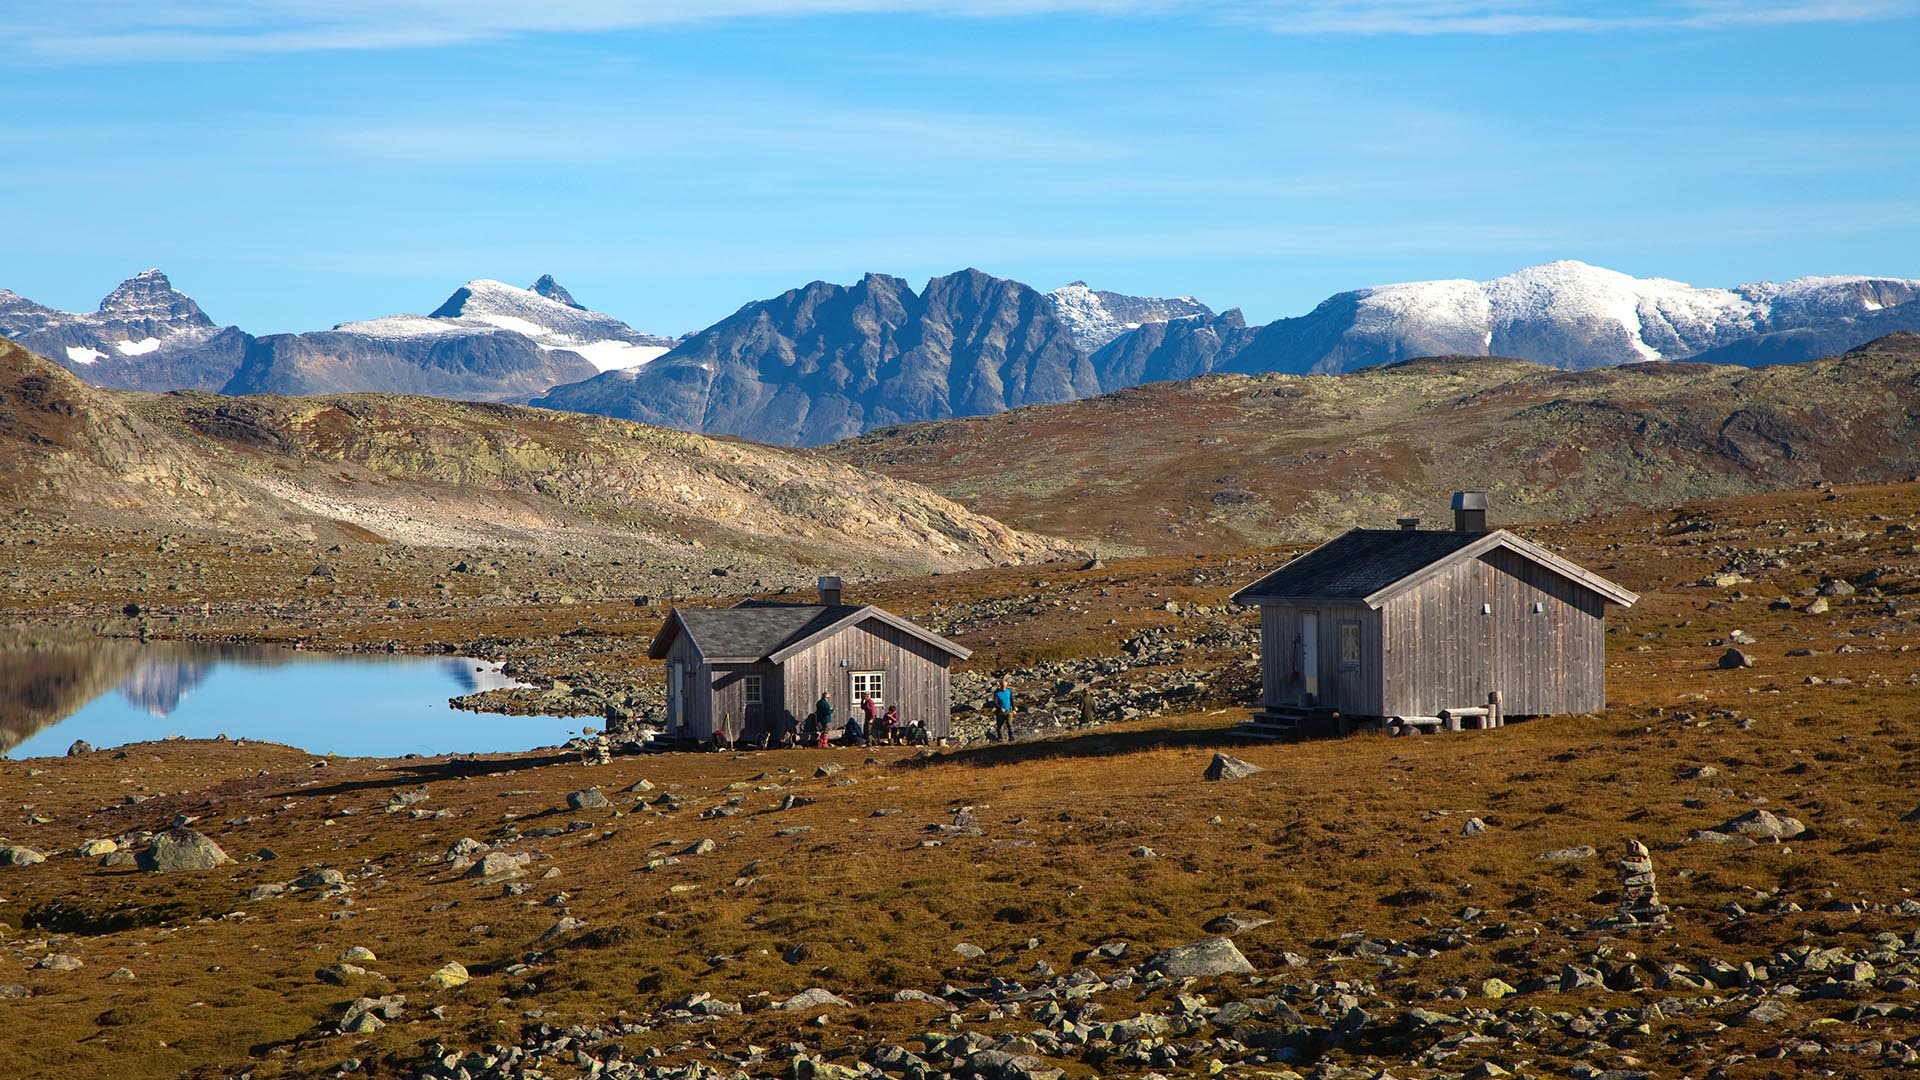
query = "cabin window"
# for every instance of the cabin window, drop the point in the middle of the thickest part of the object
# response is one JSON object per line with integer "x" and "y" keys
{"x": 869, "y": 683}
{"x": 750, "y": 689}
{"x": 1349, "y": 646}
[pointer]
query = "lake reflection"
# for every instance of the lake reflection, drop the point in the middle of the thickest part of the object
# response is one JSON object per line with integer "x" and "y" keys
{"x": 112, "y": 692}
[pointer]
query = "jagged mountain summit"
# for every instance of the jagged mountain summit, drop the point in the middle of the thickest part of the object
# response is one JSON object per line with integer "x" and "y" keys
{"x": 826, "y": 361}
{"x": 1563, "y": 314}
{"x": 1095, "y": 316}
{"x": 145, "y": 335}
{"x": 488, "y": 341}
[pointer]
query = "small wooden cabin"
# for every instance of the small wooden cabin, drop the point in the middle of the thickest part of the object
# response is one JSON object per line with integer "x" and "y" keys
{"x": 759, "y": 667}
{"x": 1423, "y": 628}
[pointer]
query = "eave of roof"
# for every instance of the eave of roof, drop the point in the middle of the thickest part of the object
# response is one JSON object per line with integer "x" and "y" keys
{"x": 956, "y": 650}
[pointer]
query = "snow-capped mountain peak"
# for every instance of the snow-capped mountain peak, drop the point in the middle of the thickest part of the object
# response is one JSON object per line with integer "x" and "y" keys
{"x": 552, "y": 290}
{"x": 552, "y": 319}
{"x": 149, "y": 297}
{"x": 1095, "y": 317}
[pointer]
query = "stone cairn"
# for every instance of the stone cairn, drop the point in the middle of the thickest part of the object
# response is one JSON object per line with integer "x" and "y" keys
{"x": 1639, "y": 899}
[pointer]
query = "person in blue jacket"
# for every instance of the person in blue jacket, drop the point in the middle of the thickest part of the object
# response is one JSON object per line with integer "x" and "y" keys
{"x": 1003, "y": 711}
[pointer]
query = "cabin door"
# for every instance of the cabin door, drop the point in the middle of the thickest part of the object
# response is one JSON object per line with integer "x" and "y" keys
{"x": 1310, "y": 656}
{"x": 676, "y": 696}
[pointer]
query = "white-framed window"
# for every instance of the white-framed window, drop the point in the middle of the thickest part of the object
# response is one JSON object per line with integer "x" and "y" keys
{"x": 869, "y": 682}
{"x": 750, "y": 689}
{"x": 1349, "y": 646}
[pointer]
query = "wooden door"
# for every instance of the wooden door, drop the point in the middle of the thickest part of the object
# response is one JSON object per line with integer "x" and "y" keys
{"x": 1310, "y": 656}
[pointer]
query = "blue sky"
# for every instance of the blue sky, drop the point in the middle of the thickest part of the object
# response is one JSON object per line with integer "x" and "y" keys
{"x": 297, "y": 163}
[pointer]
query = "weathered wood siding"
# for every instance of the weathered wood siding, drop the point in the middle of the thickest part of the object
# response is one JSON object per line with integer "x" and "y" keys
{"x": 1553, "y": 660}
{"x": 727, "y": 691}
{"x": 1354, "y": 690}
{"x": 916, "y": 676}
{"x": 1472, "y": 629}
{"x": 695, "y": 709}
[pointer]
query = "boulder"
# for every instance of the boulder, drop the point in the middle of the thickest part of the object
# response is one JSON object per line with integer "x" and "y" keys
{"x": 1233, "y": 922}
{"x": 1762, "y": 825}
{"x": 93, "y": 849}
{"x": 448, "y": 976}
{"x": 181, "y": 849}
{"x": 78, "y": 747}
{"x": 1567, "y": 854}
{"x": 498, "y": 864}
{"x": 1210, "y": 956}
{"x": 60, "y": 962}
{"x": 1734, "y": 658}
{"x": 813, "y": 999}
{"x": 587, "y": 799}
{"x": 15, "y": 855}
{"x": 1228, "y": 767}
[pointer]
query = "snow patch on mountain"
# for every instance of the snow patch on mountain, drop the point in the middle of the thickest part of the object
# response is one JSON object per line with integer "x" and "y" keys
{"x": 1094, "y": 317}
{"x": 1572, "y": 314}
{"x": 137, "y": 348}
{"x": 548, "y": 314}
{"x": 80, "y": 354}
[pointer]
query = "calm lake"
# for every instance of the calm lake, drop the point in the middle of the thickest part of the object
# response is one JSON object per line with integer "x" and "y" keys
{"x": 113, "y": 692}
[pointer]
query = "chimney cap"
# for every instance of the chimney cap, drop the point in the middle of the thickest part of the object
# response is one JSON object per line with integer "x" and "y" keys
{"x": 1469, "y": 500}
{"x": 1407, "y": 523}
{"x": 829, "y": 582}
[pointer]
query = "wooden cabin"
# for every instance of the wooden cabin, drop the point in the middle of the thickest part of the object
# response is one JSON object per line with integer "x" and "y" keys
{"x": 1414, "y": 628}
{"x": 759, "y": 667}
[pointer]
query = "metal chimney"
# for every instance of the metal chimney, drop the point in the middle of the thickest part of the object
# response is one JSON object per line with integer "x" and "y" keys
{"x": 830, "y": 591}
{"x": 1470, "y": 511}
{"x": 1407, "y": 524}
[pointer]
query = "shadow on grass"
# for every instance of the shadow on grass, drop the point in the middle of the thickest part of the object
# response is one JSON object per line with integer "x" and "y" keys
{"x": 425, "y": 772}
{"x": 1095, "y": 742}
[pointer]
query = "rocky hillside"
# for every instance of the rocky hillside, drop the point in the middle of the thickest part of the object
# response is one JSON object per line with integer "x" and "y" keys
{"x": 1232, "y": 460}
{"x": 827, "y": 361}
{"x": 1097, "y": 316}
{"x": 429, "y": 472}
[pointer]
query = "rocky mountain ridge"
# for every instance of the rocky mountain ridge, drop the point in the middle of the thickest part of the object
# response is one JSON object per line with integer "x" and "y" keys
{"x": 488, "y": 341}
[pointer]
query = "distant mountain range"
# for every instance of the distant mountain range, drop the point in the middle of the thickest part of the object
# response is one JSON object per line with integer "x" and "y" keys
{"x": 488, "y": 341}
{"x": 825, "y": 362}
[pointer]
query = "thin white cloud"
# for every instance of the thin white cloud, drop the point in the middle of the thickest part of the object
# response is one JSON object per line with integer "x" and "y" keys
{"x": 110, "y": 31}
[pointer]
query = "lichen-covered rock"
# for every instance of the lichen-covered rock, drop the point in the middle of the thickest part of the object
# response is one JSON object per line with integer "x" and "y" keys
{"x": 181, "y": 849}
{"x": 448, "y": 976}
{"x": 16, "y": 855}
{"x": 1209, "y": 956}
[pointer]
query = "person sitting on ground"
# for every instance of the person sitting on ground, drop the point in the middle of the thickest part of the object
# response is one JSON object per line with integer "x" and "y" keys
{"x": 917, "y": 733}
{"x": 721, "y": 740}
{"x": 855, "y": 734}
{"x": 890, "y": 725}
{"x": 787, "y": 739}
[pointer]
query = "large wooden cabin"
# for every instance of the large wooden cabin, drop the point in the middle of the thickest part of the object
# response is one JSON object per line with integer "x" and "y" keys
{"x": 759, "y": 667}
{"x": 1415, "y": 628}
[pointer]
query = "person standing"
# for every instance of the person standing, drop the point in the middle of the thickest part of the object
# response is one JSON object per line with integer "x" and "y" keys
{"x": 869, "y": 709}
{"x": 1086, "y": 706}
{"x": 1003, "y": 712}
{"x": 822, "y": 719}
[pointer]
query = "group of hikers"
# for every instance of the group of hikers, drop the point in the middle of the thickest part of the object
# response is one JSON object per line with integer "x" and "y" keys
{"x": 869, "y": 725}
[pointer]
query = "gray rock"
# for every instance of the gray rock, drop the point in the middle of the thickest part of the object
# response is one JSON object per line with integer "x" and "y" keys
{"x": 587, "y": 799}
{"x": 318, "y": 879}
{"x": 60, "y": 962}
{"x": 827, "y": 770}
{"x": 79, "y": 746}
{"x": 499, "y": 864}
{"x": 813, "y": 999}
{"x": 704, "y": 847}
{"x": 1233, "y": 922}
{"x": 181, "y": 849}
{"x": 1473, "y": 827}
{"x": 1228, "y": 767}
{"x": 14, "y": 992}
{"x": 1734, "y": 658}
{"x": 1835, "y": 587}
{"x": 1767, "y": 1013}
{"x": 1567, "y": 854}
{"x": 1762, "y": 825}
{"x": 15, "y": 855}
{"x": 970, "y": 951}
{"x": 1211, "y": 956}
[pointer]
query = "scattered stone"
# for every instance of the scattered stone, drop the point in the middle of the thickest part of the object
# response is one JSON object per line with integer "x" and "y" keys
{"x": 1769, "y": 1012}
{"x": 79, "y": 746}
{"x": 587, "y": 799}
{"x": 1473, "y": 827}
{"x": 1761, "y": 824}
{"x": 319, "y": 879}
{"x": 1228, "y": 767}
{"x": 826, "y": 770}
{"x": 358, "y": 954}
{"x": 1211, "y": 956}
{"x": 704, "y": 847}
{"x": 179, "y": 849}
{"x": 1233, "y": 922}
{"x": 1817, "y": 606}
{"x": 638, "y": 787}
{"x": 1835, "y": 587}
{"x": 448, "y": 976}
{"x": 971, "y": 952}
{"x": 93, "y": 849}
{"x": 14, "y": 992}
{"x": 121, "y": 975}
{"x": 1567, "y": 854}
{"x": 1734, "y": 658}
{"x": 15, "y": 855}
{"x": 813, "y": 999}
{"x": 60, "y": 962}
{"x": 499, "y": 864}
{"x": 1496, "y": 988}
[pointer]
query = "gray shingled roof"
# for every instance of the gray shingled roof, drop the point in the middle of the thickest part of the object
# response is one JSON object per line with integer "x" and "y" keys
{"x": 757, "y": 629}
{"x": 1361, "y": 563}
